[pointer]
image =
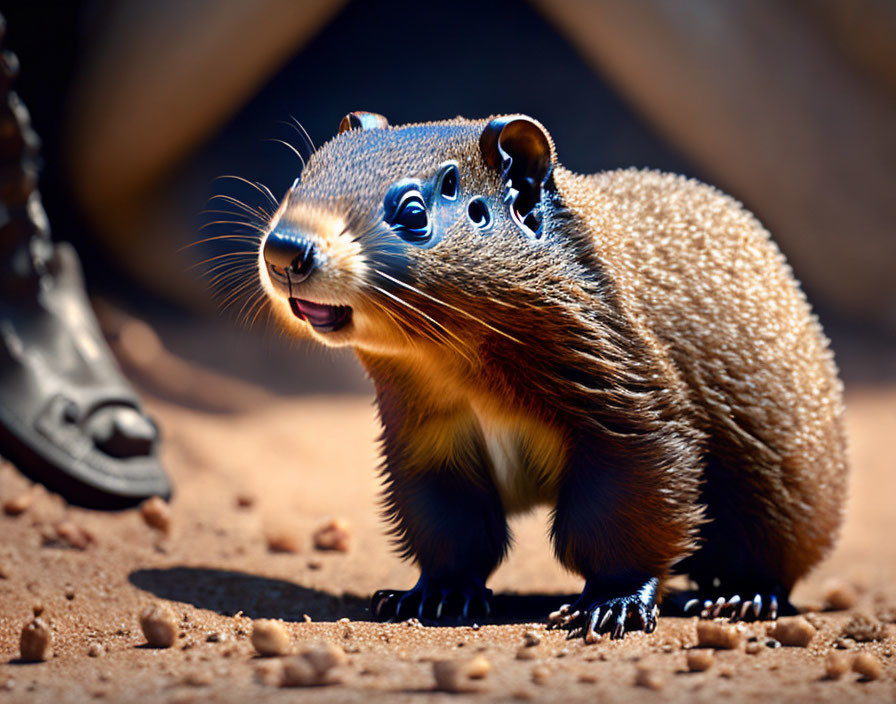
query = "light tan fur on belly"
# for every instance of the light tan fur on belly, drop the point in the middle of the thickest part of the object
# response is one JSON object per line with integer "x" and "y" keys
{"x": 526, "y": 456}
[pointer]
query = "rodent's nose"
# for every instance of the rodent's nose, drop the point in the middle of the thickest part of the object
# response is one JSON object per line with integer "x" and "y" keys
{"x": 290, "y": 258}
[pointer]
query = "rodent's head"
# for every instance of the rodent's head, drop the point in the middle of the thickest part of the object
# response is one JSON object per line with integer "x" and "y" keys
{"x": 398, "y": 235}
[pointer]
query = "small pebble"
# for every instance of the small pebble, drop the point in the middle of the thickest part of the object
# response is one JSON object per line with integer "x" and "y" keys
{"x": 159, "y": 625}
{"x": 245, "y": 500}
{"x": 156, "y": 514}
{"x": 753, "y": 648}
{"x": 270, "y": 638}
{"x": 864, "y": 629}
{"x": 35, "y": 641}
{"x": 587, "y": 677}
{"x": 459, "y": 675}
{"x": 298, "y": 672}
{"x": 325, "y": 657}
{"x": 526, "y": 652}
{"x": 73, "y": 535}
{"x": 200, "y": 678}
{"x": 313, "y": 667}
{"x": 95, "y": 650}
{"x": 836, "y": 665}
{"x": 540, "y": 675}
{"x": 283, "y": 540}
{"x": 721, "y": 636}
{"x": 793, "y": 631}
{"x": 700, "y": 659}
{"x": 726, "y": 671}
{"x": 868, "y": 666}
{"x": 334, "y": 534}
{"x": 17, "y": 505}
{"x": 649, "y": 678}
{"x": 531, "y": 638}
{"x": 269, "y": 672}
{"x": 839, "y": 595}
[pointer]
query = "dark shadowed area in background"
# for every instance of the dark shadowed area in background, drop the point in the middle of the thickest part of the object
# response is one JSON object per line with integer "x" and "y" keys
{"x": 412, "y": 62}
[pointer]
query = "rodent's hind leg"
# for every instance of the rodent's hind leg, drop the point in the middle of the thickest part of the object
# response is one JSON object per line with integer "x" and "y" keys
{"x": 433, "y": 599}
{"x": 736, "y": 602}
{"x": 615, "y": 525}
{"x": 609, "y": 608}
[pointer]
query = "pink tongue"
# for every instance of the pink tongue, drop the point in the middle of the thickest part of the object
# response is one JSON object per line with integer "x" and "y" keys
{"x": 316, "y": 313}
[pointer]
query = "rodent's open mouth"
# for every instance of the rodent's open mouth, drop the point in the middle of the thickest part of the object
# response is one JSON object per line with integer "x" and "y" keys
{"x": 321, "y": 317}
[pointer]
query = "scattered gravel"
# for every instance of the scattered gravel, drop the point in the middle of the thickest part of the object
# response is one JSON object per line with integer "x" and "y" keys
{"x": 839, "y": 595}
{"x": 460, "y": 675}
{"x": 864, "y": 629}
{"x": 156, "y": 514}
{"x": 700, "y": 659}
{"x": 270, "y": 638}
{"x": 159, "y": 625}
{"x": 794, "y": 631}
{"x": 334, "y": 534}
{"x": 35, "y": 641}
{"x": 868, "y": 666}
{"x": 836, "y": 665}
{"x": 721, "y": 636}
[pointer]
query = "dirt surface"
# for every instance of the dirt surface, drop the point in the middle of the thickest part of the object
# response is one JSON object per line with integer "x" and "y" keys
{"x": 282, "y": 467}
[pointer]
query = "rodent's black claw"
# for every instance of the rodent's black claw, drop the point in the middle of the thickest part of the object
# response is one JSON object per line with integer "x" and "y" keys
{"x": 383, "y": 604}
{"x": 742, "y": 605}
{"x": 433, "y": 601}
{"x": 589, "y": 617}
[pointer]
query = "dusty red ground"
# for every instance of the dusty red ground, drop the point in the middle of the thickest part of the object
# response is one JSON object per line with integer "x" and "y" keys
{"x": 306, "y": 458}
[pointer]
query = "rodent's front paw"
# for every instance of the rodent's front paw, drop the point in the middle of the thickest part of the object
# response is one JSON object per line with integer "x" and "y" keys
{"x": 589, "y": 617}
{"x": 433, "y": 600}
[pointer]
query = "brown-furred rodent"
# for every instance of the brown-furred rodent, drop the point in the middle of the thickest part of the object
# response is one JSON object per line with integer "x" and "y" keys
{"x": 628, "y": 348}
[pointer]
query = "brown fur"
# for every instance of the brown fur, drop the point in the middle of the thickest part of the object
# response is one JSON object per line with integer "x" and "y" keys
{"x": 653, "y": 334}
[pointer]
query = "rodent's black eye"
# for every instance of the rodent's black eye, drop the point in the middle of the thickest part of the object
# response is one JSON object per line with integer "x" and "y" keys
{"x": 478, "y": 213}
{"x": 405, "y": 211}
{"x": 450, "y": 181}
{"x": 411, "y": 214}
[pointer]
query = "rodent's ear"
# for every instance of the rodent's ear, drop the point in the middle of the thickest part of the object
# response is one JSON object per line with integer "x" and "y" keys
{"x": 362, "y": 120}
{"x": 521, "y": 141}
{"x": 522, "y": 151}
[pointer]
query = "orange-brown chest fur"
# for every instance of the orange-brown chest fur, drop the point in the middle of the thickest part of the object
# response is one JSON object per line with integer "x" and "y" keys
{"x": 453, "y": 416}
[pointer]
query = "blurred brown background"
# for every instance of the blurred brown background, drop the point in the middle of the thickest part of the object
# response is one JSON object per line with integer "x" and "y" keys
{"x": 789, "y": 106}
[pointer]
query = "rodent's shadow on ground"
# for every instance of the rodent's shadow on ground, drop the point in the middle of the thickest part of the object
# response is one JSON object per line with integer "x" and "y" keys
{"x": 229, "y": 592}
